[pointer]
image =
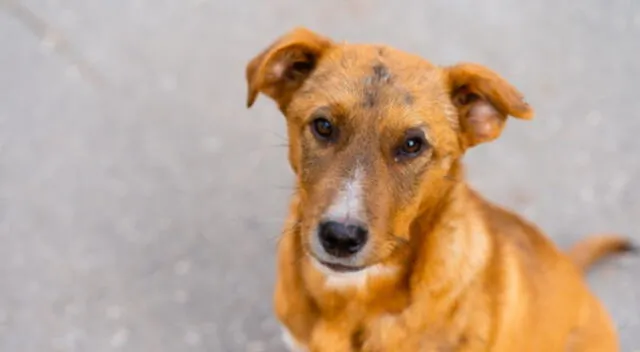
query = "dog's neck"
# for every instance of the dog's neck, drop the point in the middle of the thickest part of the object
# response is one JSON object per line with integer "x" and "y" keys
{"x": 449, "y": 239}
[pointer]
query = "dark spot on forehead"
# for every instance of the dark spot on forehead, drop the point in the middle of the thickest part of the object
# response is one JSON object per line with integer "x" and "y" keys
{"x": 370, "y": 97}
{"x": 408, "y": 98}
{"x": 372, "y": 84}
{"x": 381, "y": 73}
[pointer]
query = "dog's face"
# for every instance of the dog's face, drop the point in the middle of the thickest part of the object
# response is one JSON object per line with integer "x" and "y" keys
{"x": 373, "y": 133}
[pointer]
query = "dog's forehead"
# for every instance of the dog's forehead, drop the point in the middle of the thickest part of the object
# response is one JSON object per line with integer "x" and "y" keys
{"x": 372, "y": 76}
{"x": 380, "y": 62}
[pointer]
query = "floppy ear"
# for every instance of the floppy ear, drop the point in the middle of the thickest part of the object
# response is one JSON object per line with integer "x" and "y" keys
{"x": 484, "y": 100}
{"x": 282, "y": 68}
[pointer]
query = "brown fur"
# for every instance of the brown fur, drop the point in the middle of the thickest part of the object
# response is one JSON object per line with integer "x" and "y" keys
{"x": 470, "y": 276}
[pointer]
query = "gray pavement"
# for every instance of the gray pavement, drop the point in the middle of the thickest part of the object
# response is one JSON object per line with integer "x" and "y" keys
{"x": 140, "y": 202}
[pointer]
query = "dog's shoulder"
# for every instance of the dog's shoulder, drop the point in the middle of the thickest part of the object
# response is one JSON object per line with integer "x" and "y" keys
{"x": 513, "y": 231}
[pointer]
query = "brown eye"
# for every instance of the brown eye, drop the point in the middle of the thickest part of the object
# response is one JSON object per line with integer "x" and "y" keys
{"x": 413, "y": 145}
{"x": 322, "y": 128}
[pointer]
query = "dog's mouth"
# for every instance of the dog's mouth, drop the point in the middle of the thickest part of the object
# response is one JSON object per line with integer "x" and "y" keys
{"x": 341, "y": 268}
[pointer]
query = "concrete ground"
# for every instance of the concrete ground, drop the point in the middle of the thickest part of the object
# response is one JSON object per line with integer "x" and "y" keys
{"x": 140, "y": 202}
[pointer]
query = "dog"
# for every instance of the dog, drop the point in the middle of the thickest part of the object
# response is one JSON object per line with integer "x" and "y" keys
{"x": 386, "y": 247}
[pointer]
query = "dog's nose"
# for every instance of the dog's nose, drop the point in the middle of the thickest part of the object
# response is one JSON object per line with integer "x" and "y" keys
{"x": 340, "y": 239}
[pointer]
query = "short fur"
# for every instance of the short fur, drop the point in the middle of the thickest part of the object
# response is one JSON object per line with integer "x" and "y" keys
{"x": 444, "y": 270}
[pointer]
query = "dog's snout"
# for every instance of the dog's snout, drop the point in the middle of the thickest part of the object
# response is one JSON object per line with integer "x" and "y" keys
{"x": 342, "y": 239}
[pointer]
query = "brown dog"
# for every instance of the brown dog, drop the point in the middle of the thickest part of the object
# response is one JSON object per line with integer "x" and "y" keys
{"x": 386, "y": 247}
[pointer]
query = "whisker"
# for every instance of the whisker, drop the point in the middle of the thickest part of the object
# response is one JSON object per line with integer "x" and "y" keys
{"x": 261, "y": 219}
{"x": 280, "y": 234}
{"x": 263, "y": 148}
{"x": 281, "y": 137}
{"x": 293, "y": 227}
{"x": 285, "y": 188}
{"x": 280, "y": 145}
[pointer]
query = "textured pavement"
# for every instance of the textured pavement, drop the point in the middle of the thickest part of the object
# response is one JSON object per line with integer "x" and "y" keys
{"x": 140, "y": 202}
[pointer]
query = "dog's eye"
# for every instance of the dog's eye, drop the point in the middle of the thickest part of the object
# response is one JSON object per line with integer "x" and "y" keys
{"x": 322, "y": 128}
{"x": 411, "y": 147}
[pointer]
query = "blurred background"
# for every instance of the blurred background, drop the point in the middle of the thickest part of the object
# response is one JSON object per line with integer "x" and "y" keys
{"x": 140, "y": 202}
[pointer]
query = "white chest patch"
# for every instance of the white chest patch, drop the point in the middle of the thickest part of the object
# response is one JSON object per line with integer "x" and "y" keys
{"x": 290, "y": 342}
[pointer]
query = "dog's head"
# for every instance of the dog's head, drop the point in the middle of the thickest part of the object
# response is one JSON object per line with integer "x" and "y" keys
{"x": 373, "y": 134}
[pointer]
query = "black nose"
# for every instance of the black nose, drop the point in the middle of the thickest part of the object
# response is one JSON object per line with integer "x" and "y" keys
{"x": 342, "y": 240}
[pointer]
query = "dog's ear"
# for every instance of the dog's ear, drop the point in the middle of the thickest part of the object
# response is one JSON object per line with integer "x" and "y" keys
{"x": 282, "y": 68}
{"x": 484, "y": 100}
